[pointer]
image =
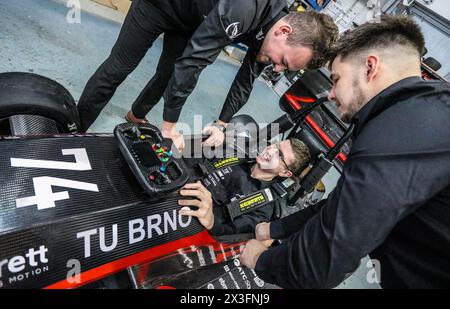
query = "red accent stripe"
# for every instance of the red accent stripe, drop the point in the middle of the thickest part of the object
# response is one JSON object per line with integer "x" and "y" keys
{"x": 319, "y": 132}
{"x": 324, "y": 137}
{"x": 293, "y": 101}
{"x": 220, "y": 257}
{"x": 165, "y": 287}
{"x": 342, "y": 157}
{"x": 306, "y": 99}
{"x": 202, "y": 238}
{"x": 294, "y": 104}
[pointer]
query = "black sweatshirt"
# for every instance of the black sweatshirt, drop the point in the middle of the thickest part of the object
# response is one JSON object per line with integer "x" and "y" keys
{"x": 218, "y": 23}
{"x": 392, "y": 201}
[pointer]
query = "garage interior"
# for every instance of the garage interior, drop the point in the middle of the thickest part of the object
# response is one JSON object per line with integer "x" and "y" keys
{"x": 51, "y": 38}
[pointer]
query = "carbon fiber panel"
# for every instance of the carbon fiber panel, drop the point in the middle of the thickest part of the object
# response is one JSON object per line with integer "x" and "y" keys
{"x": 226, "y": 275}
{"x": 32, "y": 124}
{"x": 103, "y": 216}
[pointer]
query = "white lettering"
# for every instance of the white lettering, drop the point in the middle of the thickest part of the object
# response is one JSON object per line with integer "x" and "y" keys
{"x": 19, "y": 263}
{"x": 374, "y": 273}
{"x": 87, "y": 241}
{"x": 81, "y": 161}
{"x": 46, "y": 198}
{"x": 153, "y": 226}
{"x": 113, "y": 245}
{"x": 42, "y": 251}
{"x": 133, "y": 230}
{"x": 74, "y": 15}
{"x": 74, "y": 274}
{"x": 184, "y": 224}
{"x": 172, "y": 221}
{"x": 30, "y": 255}
{"x": 2, "y": 263}
{"x": 16, "y": 264}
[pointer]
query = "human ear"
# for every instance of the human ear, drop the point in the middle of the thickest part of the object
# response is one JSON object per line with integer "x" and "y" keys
{"x": 285, "y": 174}
{"x": 372, "y": 66}
{"x": 285, "y": 29}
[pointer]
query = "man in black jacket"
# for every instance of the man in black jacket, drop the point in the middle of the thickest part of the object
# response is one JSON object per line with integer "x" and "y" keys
{"x": 195, "y": 32}
{"x": 393, "y": 199}
{"x": 213, "y": 192}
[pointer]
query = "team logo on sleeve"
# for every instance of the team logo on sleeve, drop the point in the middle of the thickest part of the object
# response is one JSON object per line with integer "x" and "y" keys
{"x": 260, "y": 35}
{"x": 232, "y": 30}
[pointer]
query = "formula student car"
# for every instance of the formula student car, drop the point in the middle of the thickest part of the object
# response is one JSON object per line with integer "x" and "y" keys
{"x": 100, "y": 210}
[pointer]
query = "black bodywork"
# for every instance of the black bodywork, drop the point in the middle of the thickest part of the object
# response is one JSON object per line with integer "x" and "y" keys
{"x": 72, "y": 211}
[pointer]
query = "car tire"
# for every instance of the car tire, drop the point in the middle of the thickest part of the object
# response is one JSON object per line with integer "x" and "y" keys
{"x": 32, "y": 94}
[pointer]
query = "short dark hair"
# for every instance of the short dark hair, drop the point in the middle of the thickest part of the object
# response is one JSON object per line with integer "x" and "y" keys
{"x": 302, "y": 156}
{"x": 315, "y": 30}
{"x": 391, "y": 31}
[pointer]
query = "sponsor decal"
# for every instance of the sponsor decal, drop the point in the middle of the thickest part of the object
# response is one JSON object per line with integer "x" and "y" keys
{"x": 226, "y": 162}
{"x": 44, "y": 197}
{"x": 22, "y": 267}
{"x": 232, "y": 30}
{"x": 252, "y": 201}
{"x": 65, "y": 243}
{"x": 138, "y": 230}
{"x": 260, "y": 35}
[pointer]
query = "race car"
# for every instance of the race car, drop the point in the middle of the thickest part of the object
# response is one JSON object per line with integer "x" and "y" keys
{"x": 100, "y": 210}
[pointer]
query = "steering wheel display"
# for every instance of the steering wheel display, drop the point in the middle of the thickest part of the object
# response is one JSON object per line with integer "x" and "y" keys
{"x": 150, "y": 158}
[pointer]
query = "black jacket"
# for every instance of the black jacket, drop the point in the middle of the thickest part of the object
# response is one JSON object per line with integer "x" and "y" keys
{"x": 218, "y": 23}
{"x": 227, "y": 183}
{"x": 392, "y": 201}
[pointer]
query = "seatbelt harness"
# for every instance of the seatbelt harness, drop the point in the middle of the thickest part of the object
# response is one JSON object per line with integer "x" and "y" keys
{"x": 241, "y": 205}
{"x": 206, "y": 168}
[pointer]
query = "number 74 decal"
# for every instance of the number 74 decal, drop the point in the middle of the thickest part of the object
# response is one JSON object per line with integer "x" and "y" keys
{"x": 44, "y": 196}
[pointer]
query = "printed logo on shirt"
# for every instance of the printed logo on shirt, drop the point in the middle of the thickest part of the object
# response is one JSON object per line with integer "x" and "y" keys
{"x": 206, "y": 182}
{"x": 226, "y": 170}
{"x": 212, "y": 180}
{"x": 260, "y": 35}
{"x": 232, "y": 30}
{"x": 252, "y": 201}
{"x": 225, "y": 162}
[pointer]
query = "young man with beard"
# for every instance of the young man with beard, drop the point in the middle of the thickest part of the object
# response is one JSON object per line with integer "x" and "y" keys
{"x": 393, "y": 199}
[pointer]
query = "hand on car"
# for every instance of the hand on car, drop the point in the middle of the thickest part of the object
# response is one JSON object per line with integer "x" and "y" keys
{"x": 251, "y": 253}
{"x": 203, "y": 202}
{"x": 216, "y": 136}
{"x": 177, "y": 138}
{"x": 262, "y": 231}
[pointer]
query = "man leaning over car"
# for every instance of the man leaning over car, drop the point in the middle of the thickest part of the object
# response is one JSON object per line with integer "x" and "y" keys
{"x": 393, "y": 199}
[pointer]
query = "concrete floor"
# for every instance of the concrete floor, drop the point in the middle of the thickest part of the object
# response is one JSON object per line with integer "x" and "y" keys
{"x": 36, "y": 37}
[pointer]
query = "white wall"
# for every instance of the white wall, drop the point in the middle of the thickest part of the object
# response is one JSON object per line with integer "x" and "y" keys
{"x": 437, "y": 44}
{"x": 441, "y": 7}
